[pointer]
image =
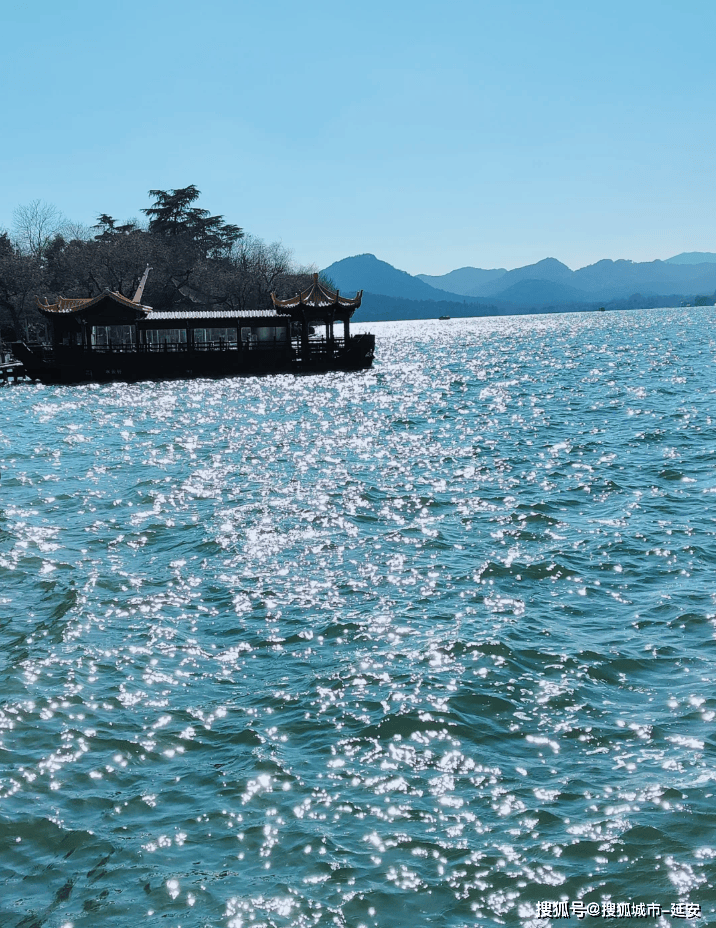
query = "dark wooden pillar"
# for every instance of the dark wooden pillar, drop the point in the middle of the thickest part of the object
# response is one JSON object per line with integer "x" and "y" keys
{"x": 305, "y": 344}
{"x": 329, "y": 336}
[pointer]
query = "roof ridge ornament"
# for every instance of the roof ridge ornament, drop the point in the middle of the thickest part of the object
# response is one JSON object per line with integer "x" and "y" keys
{"x": 137, "y": 298}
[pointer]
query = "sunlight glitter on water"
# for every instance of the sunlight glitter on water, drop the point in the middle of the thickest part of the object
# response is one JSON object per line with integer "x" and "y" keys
{"x": 429, "y": 643}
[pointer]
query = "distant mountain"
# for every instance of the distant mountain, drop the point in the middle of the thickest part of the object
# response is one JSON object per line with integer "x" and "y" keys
{"x": 548, "y": 285}
{"x": 464, "y": 281}
{"x": 547, "y": 269}
{"x": 608, "y": 280}
{"x": 693, "y": 257}
{"x": 366, "y": 272}
{"x": 538, "y": 293}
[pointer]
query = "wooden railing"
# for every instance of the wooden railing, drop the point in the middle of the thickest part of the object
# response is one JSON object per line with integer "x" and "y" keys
{"x": 164, "y": 347}
{"x": 317, "y": 347}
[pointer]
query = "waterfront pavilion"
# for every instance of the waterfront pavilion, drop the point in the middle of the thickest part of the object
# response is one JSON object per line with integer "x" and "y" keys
{"x": 318, "y": 305}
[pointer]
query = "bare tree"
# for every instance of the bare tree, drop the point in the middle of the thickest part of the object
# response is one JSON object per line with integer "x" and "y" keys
{"x": 259, "y": 268}
{"x": 20, "y": 279}
{"x": 36, "y": 225}
{"x": 76, "y": 232}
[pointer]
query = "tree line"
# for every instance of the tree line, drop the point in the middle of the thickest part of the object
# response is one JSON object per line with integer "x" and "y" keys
{"x": 195, "y": 258}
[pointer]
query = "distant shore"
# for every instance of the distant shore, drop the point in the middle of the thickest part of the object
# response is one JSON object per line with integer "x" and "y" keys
{"x": 379, "y": 308}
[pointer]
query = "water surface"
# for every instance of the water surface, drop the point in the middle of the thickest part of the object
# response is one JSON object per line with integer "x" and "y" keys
{"x": 428, "y": 644}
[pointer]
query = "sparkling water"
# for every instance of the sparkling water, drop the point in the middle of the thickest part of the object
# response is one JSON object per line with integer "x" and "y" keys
{"x": 431, "y": 644}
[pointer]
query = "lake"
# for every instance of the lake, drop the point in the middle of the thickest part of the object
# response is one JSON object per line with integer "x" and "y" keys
{"x": 431, "y": 644}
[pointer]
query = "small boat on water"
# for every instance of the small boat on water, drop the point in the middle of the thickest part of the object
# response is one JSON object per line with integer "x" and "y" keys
{"x": 112, "y": 337}
{"x": 443, "y": 317}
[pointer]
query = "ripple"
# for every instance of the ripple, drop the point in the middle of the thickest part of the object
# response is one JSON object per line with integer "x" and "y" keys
{"x": 428, "y": 644}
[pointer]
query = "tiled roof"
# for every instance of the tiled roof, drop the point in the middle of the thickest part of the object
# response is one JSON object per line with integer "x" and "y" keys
{"x": 64, "y": 305}
{"x": 318, "y": 296}
{"x": 68, "y": 306}
{"x": 217, "y": 314}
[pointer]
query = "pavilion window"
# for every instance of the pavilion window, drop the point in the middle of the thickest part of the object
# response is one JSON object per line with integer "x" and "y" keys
{"x": 270, "y": 333}
{"x": 161, "y": 337}
{"x": 113, "y": 336}
{"x": 215, "y": 336}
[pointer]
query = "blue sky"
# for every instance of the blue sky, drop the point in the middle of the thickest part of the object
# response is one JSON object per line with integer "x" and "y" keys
{"x": 432, "y": 134}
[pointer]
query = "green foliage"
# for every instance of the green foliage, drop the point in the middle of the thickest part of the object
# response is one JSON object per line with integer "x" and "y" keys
{"x": 173, "y": 215}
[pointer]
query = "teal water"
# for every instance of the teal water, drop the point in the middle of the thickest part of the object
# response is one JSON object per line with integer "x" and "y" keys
{"x": 428, "y": 645}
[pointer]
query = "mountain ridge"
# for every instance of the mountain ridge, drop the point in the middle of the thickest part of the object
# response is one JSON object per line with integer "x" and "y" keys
{"x": 548, "y": 282}
{"x": 366, "y": 272}
{"x": 463, "y": 280}
{"x": 692, "y": 257}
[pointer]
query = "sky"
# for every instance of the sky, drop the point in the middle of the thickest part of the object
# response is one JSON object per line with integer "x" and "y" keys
{"x": 434, "y": 135}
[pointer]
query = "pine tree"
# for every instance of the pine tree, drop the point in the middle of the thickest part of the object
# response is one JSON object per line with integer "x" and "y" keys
{"x": 173, "y": 215}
